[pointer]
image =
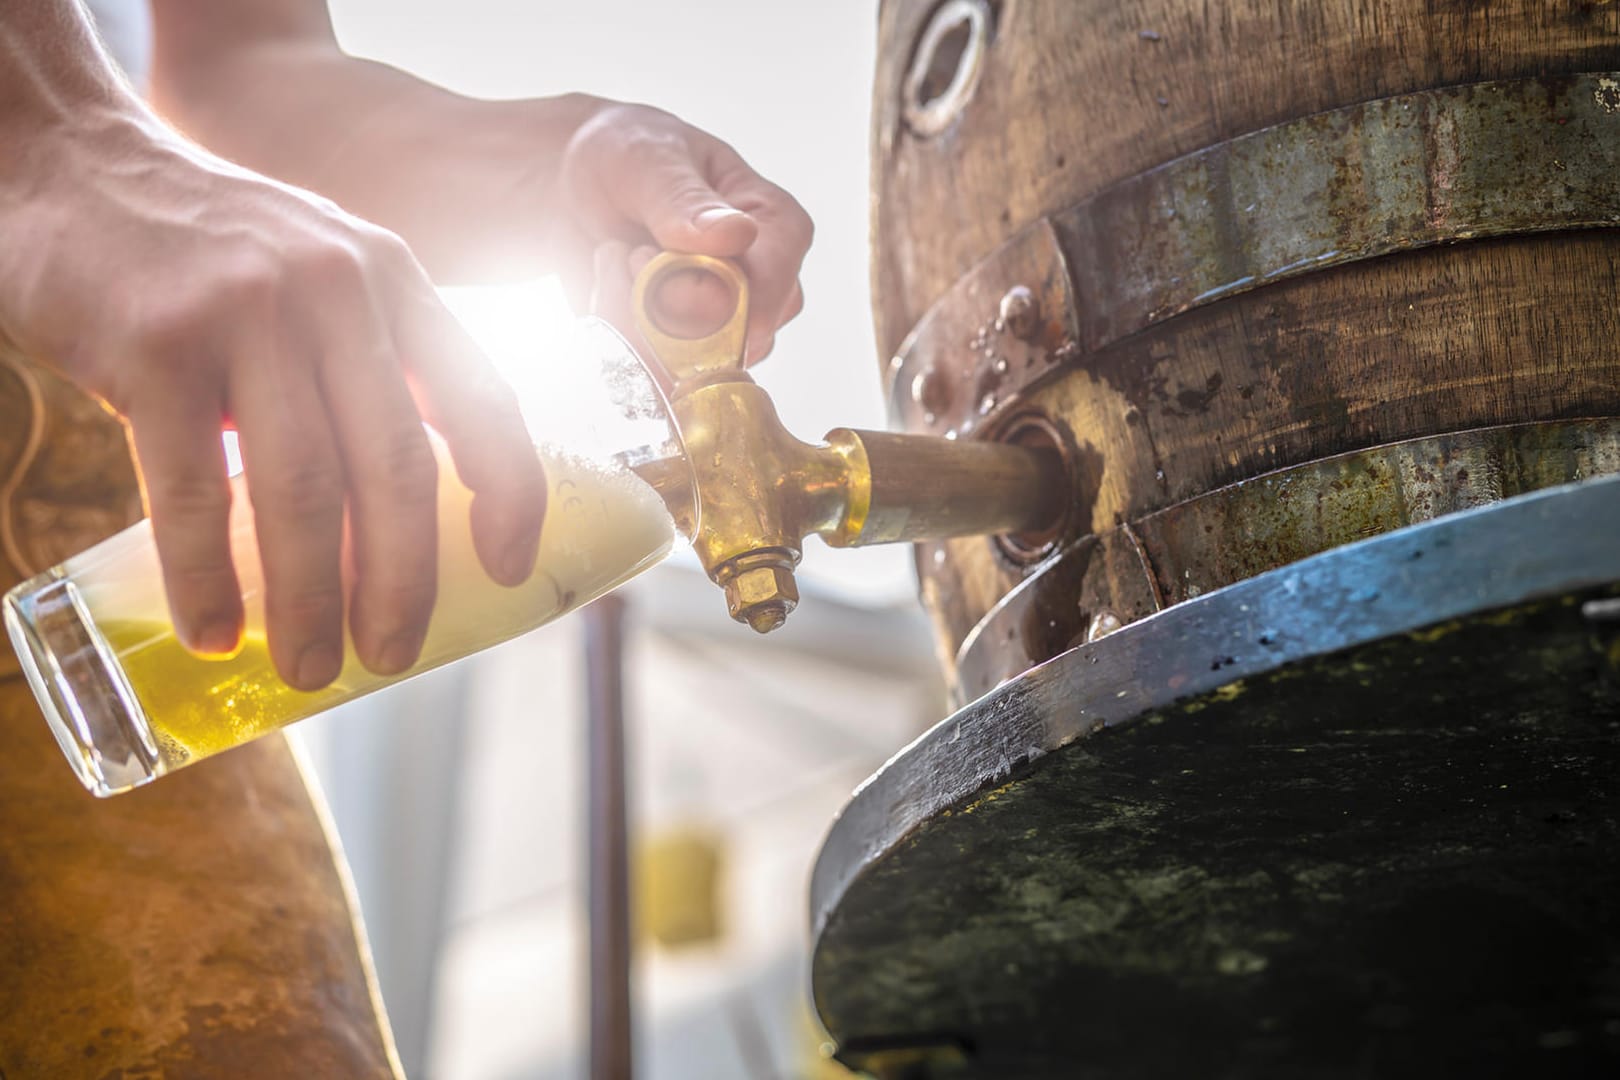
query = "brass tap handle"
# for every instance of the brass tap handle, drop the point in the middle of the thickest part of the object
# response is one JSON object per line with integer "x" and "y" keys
{"x": 691, "y": 360}
{"x": 760, "y": 491}
{"x": 744, "y": 536}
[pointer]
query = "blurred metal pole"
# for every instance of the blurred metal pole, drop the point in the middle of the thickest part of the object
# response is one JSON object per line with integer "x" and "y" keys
{"x": 608, "y": 832}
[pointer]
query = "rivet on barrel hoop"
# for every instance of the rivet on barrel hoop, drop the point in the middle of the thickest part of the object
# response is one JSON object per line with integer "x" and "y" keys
{"x": 1102, "y": 624}
{"x": 931, "y": 392}
{"x": 945, "y": 66}
{"x": 1020, "y": 313}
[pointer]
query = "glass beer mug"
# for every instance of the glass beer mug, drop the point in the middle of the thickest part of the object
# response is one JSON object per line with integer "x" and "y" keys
{"x": 128, "y": 703}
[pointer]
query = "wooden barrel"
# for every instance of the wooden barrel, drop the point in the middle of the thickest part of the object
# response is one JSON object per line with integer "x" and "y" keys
{"x": 201, "y": 927}
{"x": 1275, "y": 276}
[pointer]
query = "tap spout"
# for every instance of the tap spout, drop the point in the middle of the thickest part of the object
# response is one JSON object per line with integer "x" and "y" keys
{"x": 924, "y": 487}
{"x": 759, "y": 491}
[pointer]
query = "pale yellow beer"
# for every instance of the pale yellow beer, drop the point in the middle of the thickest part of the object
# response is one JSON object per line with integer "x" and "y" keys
{"x": 602, "y": 527}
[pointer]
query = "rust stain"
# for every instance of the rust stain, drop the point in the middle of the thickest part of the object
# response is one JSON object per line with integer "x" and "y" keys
{"x": 1444, "y": 155}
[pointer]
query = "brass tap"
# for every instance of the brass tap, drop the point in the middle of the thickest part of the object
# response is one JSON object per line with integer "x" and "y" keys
{"x": 760, "y": 491}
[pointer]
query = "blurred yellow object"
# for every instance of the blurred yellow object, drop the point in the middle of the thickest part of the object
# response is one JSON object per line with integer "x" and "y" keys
{"x": 678, "y": 885}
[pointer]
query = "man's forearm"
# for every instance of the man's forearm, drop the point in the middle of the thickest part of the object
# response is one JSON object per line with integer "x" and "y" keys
{"x": 465, "y": 182}
{"x": 53, "y": 75}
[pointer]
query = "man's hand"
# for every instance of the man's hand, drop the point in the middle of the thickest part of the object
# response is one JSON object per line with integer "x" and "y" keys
{"x": 479, "y": 189}
{"x": 642, "y": 177}
{"x": 191, "y": 294}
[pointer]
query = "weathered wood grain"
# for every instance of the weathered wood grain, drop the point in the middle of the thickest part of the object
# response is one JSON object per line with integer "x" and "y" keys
{"x": 196, "y": 928}
{"x": 1080, "y": 94}
{"x": 1076, "y": 97}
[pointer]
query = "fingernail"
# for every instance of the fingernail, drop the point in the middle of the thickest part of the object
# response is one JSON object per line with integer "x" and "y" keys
{"x": 398, "y": 653}
{"x": 517, "y": 561}
{"x": 318, "y": 665}
{"x": 217, "y": 637}
{"x": 713, "y": 216}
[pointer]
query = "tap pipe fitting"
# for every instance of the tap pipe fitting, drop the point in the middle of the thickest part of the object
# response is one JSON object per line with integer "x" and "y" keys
{"x": 761, "y": 491}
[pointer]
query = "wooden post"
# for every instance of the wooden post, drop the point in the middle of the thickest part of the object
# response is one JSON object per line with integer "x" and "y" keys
{"x": 608, "y": 893}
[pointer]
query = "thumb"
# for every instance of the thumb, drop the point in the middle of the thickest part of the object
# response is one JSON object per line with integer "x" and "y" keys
{"x": 678, "y": 206}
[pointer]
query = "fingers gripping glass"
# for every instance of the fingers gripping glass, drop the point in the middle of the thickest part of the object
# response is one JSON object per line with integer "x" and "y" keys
{"x": 128, "y": 703}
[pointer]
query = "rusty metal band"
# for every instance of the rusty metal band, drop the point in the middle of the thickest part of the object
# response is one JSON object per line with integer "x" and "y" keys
{"x": 1455, "y": 163}
{"x": 1100, "y": 583}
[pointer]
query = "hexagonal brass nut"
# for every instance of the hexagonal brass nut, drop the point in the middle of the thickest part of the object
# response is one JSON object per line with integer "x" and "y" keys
{"x": 769, "y": 587}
